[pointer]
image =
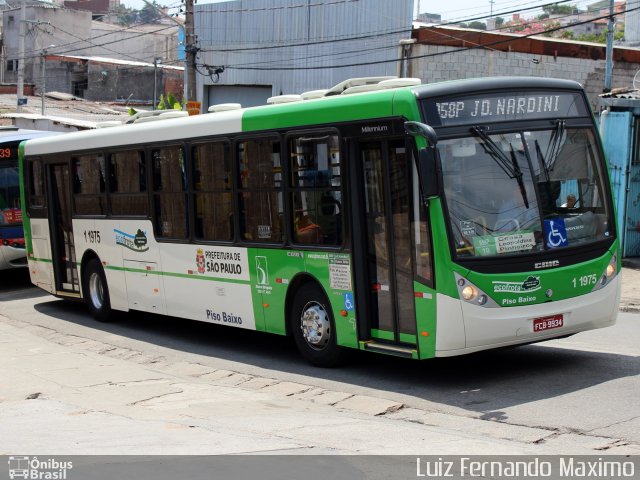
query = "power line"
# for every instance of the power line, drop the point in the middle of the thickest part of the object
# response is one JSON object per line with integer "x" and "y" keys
{"x": 484, "y": 46}
{"x": 518, "y": 10}
{"x": 36, "y": 52}
{"x": 304, "y": 44}
{"x": 282, "y": 7}
{"x": 370, "y": 35}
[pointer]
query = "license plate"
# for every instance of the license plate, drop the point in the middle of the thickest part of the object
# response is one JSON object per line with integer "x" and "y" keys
{"x": 547, "y": 323}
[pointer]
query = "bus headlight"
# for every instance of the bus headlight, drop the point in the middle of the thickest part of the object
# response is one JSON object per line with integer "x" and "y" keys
{"x": 609, "y": 273}
{"x": 472, "y": 294}
{"x": 611, "y": 270}
{"x": 469, "y": 293}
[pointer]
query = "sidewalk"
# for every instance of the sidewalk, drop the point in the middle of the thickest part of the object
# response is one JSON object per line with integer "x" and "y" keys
{"x": 62, "y": 394}
{"x": 630, "y": 297}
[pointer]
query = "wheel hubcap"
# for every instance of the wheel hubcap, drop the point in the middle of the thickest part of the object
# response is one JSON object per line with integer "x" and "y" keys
{"x": 315, "y": 325}
{"x": 96, "y": 291}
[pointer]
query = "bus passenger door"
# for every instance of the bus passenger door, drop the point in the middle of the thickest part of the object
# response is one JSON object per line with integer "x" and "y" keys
{"x": 63, "y": 253}
{"x": 382, "y": 246}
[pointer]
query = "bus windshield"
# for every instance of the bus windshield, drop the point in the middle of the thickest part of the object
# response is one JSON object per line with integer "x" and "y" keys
{"x": 9, "y": 194}
{"x": 523, "y": 191}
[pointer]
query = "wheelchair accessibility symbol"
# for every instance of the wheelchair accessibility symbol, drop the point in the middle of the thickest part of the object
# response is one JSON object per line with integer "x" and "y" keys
{"x": 556, "y": 233}
{"x": 348, "y": 302}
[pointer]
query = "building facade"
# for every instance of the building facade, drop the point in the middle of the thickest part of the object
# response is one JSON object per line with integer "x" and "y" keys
{"x": 273, "y": 47}
{"x": 54, "y": 30}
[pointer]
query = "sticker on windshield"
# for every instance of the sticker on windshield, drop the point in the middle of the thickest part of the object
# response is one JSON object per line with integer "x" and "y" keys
{"x": 512, "y": 242}
{"x": 467, "y": 228}
{"x": 556, "y": 233}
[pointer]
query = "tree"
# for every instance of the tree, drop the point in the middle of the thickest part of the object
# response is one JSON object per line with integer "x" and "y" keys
{"x": 568, "y": 34}
{"x": 556, "y": 9}
{"x": 598, "y": 37}
{"x": 126, "y": 16}
{"x": 478, "y": 25}
{"x": 150, "y": 14}
{"x": 499, "y": 22}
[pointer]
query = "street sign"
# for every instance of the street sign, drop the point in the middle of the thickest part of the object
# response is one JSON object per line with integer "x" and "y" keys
{"x": 22, "y": 101}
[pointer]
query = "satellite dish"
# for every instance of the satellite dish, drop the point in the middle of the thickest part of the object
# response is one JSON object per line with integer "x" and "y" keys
{"x": 636, "y": 81}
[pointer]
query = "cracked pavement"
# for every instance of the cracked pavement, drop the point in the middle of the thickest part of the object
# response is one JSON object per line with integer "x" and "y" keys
{"x": 71, "y": 388}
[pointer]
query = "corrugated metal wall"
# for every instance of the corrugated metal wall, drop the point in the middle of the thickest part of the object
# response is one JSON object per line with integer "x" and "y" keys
{"x": 314, "y": 36}
{"x": 615, "y": 128}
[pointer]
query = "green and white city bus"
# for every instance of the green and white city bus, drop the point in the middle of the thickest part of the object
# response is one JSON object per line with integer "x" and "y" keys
{"x": 418, "y": 221}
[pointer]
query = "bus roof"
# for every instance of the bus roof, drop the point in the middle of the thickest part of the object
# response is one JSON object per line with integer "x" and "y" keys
{"x": 16, "y": 134}
{"x": 466, "y": 86}
{"x": 325, "y": 110}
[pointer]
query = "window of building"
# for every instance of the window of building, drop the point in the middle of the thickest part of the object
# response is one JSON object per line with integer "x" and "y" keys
{"x": 260, "y": 190}
{"x": 169, "y": 192}
{"x": 89, "y": 184}
{"x": 212, "y": 195}
{"x": 128, "y": 183}
{"x": 316, "y": 196}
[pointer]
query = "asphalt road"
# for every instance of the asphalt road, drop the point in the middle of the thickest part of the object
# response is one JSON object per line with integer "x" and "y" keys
{"x": 587, "y": 384}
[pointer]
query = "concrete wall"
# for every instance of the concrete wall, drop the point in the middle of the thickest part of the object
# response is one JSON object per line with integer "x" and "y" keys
{"x": 110, "y": 82}
{"x": 142, "y": 43}
{"x": 119, "y": 82}
{"x": 72, "y": 32}
{"x": 537, "y": 57}
{"x": 485, "y": 63}
{"x": 71, "y": 27}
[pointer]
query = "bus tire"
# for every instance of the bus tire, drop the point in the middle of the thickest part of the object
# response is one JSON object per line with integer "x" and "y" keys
{"x": 313, "y": 327}
{"x": 96, "y": 291}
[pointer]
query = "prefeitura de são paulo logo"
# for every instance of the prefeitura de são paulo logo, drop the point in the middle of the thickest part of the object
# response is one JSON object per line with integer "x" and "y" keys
{"x": 200, "y": 260}
{"x": 38, "y": 469}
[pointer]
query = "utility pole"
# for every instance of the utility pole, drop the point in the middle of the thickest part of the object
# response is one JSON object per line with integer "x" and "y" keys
{"x": 609, "y": 61}
{"x": 21, "y": 28}
{"x": 156, "y": 60}
{"x": 190, "y": 50}
{"x": 44, "y": 78}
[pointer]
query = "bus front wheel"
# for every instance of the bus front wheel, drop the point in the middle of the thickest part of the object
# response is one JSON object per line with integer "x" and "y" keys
{"x": 313, "y": 327}
{"x": 96, "y": 292}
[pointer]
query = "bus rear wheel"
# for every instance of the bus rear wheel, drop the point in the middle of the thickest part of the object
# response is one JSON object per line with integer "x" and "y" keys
{"x": 96, "y": 292}
{"x": 313, "y": 327}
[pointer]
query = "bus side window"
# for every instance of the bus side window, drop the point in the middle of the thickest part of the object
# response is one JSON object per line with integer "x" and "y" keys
{"x": 316, "y": 195}
{"x": 127, "y": 183}
{"x": 37, "y": 198}
{"x": 260, "y": 190}
{"x": 89, "y": 184}
{"x": 212, "y": 191}
{"x": 169, "y": 192}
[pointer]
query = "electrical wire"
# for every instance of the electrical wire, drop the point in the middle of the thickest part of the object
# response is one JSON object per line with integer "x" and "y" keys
{"x": 395, "y": 60}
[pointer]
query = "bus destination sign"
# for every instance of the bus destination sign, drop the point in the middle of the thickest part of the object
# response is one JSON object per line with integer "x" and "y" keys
{"x": 467, "y": 110}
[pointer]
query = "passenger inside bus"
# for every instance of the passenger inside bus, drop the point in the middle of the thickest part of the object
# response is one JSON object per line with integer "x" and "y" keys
{"x": 306, "y": 230}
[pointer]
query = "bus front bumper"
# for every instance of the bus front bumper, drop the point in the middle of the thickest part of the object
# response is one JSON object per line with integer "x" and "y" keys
{"x": 466, "y": 328}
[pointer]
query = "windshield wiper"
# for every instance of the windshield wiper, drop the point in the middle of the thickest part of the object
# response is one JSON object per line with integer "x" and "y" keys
{"x": 510, "y": 166}
{"x": 555, "y": 144}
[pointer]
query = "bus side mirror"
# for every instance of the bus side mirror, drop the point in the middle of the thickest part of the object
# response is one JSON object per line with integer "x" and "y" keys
{"x": 427, "y": 158}
{"x": 427, "y": 165}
